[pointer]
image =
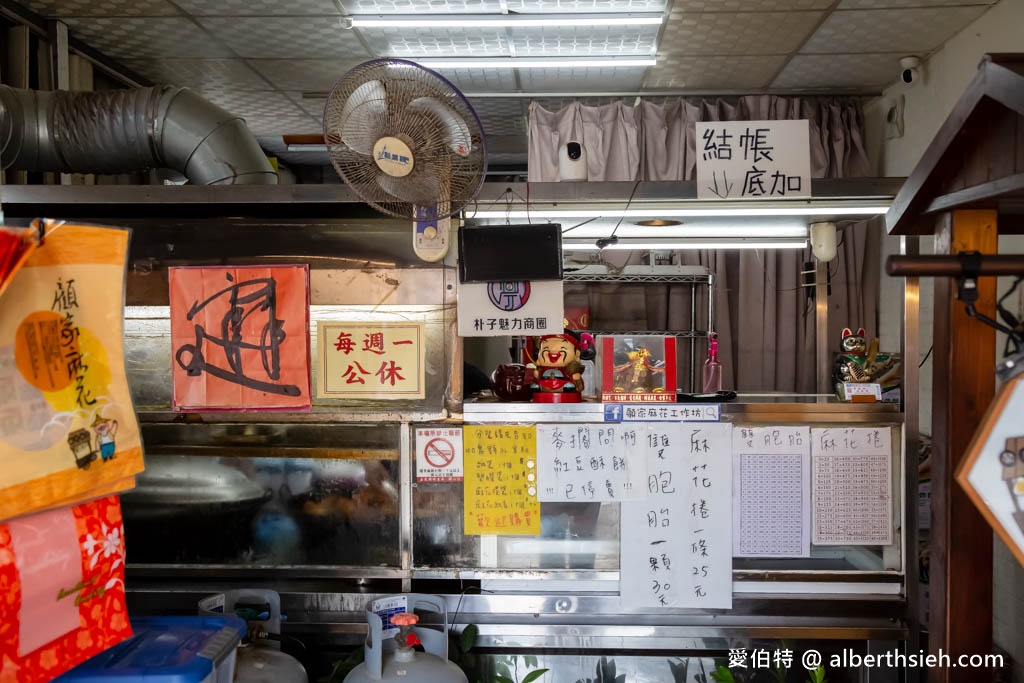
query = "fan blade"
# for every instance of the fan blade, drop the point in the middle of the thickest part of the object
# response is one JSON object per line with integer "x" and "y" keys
{"x": 363, "y": 115}
{"x": 455, "y": 128}
{"x": 422, "y": 189}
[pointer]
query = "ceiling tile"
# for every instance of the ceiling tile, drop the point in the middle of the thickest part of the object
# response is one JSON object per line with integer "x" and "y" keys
{"x": 890, "y": 30}
{"x": 737, "y": 33}
{"x": 146, "y": 38}
{"x": 254, "y": 104}
{"x": 422, "y": 6}
{"x": 276, "y": 125}
{"x": 581, "y": 79}
{"x": 256, "y": 8}
{"x": 481, "y": 80}
{"x": 290, "y": 37}
{"x": 304, "y": 75}
{"x": 199, "y": 73}
{"x": 314, "y": 106}
{"x": 585, "y": 41}
{"x": 569, "y": 6}
{"x": 868, "y": 72}
{"x": 437, "y": 42}
{"x": 501, "y": 115}
{"x": 875, "y": 4}
{"x": 101, "y": 8}
{"x": 713, "y": 73}
{"x": 748, "y": 5}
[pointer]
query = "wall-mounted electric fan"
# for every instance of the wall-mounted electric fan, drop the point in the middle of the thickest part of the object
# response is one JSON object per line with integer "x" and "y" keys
{"x": 408, "y": 143}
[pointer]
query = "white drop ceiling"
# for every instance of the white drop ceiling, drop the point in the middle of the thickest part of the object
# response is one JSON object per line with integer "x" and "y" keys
{"x": 273, "y": 61}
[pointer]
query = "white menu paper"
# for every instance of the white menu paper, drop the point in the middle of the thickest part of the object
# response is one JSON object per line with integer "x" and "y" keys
{"x": 675, "y": 545}
{"x": 589, "y": 463}
{"x": 771, "y": 491}
{"x": 852, "y": 486}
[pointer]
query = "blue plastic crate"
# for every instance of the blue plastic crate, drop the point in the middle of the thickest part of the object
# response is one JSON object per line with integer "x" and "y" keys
{"x": 168, "y": 650}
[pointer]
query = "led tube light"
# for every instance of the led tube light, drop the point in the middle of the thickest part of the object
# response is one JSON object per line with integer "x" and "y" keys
{"x": 668, "y": 244}
{"x": 534, "y": 62}
{"x": 557, "y": 214}
{"x": 506, "y": 21}
{"x": 706, "y": 232}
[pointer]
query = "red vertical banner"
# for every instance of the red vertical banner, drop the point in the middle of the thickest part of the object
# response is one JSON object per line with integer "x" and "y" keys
{"x": 240, "y": 338}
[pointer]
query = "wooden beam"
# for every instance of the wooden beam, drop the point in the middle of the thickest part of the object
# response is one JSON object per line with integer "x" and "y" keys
{"x": 963, "y": 386}
{"x": 989, "y": 192}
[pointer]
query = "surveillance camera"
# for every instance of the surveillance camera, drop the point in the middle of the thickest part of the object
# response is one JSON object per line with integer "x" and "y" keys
{"x": 574, "y": 150}
{"x": 909, "y": 69}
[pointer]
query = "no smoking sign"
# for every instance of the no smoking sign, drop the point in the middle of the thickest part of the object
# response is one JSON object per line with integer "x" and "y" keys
{"x": 438, "y": 454}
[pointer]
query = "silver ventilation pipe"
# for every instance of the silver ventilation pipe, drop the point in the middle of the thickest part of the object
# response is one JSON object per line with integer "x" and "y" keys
{"x": 123, "y": 131}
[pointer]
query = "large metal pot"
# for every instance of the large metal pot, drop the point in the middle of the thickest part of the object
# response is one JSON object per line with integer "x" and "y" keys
{"x": 190, "y": 509}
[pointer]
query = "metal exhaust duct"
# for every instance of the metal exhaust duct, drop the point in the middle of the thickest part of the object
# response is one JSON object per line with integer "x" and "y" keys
{"x": 123, "y": 131}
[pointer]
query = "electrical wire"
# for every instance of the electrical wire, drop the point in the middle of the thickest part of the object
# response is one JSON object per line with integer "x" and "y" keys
{"x": 612, "y": 239}
{"x": 926, "y": 356}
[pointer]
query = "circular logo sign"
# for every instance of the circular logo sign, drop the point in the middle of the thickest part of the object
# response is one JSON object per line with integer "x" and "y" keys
{"x": 508, "y": 296}
{"x": 393, "y": 157}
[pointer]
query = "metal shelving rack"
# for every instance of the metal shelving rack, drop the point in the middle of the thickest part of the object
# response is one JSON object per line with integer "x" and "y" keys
{"x": 666, "y": 275}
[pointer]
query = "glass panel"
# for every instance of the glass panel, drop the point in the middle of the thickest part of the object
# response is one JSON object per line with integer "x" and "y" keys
{"x": 573, "y": 535}
{"x": 264, "y": 511}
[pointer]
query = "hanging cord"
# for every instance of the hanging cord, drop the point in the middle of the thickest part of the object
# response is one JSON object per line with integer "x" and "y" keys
{"x": 967, "y": 291}
{"x": 613, "y": 239}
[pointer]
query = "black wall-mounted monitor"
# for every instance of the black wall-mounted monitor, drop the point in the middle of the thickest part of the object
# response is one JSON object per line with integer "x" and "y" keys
{"x": 510, "y": 253}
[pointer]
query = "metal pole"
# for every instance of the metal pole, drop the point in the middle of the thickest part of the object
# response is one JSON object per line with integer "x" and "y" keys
{"x": 822, "y": 347}
{"x": 910, "y": 353}
{"x": 693, "y": 337}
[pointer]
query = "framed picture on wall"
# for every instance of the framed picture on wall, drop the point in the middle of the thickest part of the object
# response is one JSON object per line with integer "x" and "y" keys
{"x": 992, "y": 472}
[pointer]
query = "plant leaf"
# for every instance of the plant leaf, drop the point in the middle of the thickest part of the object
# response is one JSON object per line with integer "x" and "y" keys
{"x": 467, "y": 639}
{"x": 502, "y": 669}
{"x": 531, "y": 661}
{"x": 534, "y": 675}
{"x": 503, "y": 679}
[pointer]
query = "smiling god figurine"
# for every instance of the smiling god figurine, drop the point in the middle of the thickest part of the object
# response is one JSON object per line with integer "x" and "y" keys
{"x": 558, "y": 370}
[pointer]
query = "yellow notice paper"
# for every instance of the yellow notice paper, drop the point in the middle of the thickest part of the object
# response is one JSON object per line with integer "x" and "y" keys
{"x": 500, "y": 485}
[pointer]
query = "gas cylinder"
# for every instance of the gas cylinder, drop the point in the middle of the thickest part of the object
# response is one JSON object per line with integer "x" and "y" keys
{"x": 260, "y": 659}
{"x": 395, "y": 660}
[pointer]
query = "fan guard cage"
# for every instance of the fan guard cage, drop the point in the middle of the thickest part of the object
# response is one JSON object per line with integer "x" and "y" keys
{"x": 394, "y": 102}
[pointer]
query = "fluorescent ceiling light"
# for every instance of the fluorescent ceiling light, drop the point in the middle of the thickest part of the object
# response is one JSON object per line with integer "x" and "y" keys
{"x": 307, "y": 148}
{"x": 505, "y": 20}
{"x": 667, "y": 244}
{"x": 706, "y": 232}
{"x": 534, "y": 62}
{"x": 556, "y": 214}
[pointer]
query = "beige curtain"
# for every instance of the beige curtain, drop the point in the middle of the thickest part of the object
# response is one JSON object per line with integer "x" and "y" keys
{"x": 764, "y": 317}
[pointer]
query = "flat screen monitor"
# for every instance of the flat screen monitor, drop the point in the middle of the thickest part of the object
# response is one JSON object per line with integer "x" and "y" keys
{"x": 510, "y": 253}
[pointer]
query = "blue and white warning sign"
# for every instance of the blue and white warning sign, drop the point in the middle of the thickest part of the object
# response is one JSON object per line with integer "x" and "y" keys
{"x": 439, "y": 454}
{"x": 496, "y": 309}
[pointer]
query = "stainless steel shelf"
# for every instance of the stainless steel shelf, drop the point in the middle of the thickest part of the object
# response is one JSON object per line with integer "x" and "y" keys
{"x": 642, "y": 279}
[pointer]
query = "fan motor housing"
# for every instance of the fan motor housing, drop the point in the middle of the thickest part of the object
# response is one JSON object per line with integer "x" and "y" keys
{"x": 393, "y": 156}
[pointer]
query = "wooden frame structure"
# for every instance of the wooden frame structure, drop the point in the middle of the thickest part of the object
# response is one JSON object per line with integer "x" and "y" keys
{"x": 967, "y": 188}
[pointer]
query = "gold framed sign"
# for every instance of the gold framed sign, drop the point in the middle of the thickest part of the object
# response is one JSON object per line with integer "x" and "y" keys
{"x": 992, "y": 472}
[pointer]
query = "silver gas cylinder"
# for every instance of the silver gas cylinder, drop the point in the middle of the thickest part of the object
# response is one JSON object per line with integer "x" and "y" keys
{"x": 392, "y": 660}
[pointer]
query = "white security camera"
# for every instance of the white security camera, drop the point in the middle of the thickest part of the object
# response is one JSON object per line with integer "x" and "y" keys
{"x": 572, "y": 162}
{"x": 909, "y": 69}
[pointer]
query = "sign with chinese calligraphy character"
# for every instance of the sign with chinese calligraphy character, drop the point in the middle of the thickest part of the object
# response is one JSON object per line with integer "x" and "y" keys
{"x": 676, "y": 546}
{"x": 495, "y": 309}
{"x": 500, "y": 488}
{"x": 439, "y": 454}
{"x": 852, "y": 486}
{"x": 240, "y": 337}
{"x": 68, "y": 431}
{"x": 753, "y": 159}
{"x": 371, "y": 360}
{"x": 586, "y": 463}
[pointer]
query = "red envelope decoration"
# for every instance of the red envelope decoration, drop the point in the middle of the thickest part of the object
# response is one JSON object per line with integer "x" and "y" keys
{"x": 62, "y": 596}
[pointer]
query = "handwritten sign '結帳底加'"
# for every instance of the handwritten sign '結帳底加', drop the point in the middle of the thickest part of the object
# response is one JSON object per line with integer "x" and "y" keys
{"x": 753, "y": 159}
{"x": 240, "y": 337}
